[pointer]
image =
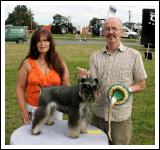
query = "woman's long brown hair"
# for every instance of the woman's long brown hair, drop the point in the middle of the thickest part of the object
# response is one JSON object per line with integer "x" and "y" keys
{"x": 52, "y": 58}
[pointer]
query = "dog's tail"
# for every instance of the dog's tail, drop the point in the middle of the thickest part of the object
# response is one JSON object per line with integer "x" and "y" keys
{"x": 82, "y": 73}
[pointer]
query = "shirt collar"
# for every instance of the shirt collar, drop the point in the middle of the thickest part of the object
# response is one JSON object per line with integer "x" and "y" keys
{"x": 120, "y": 48}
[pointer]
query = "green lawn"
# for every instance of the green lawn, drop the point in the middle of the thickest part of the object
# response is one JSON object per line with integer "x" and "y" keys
{"x": 143, "y": 115}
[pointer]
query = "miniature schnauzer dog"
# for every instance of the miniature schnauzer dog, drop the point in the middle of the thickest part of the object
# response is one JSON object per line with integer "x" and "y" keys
{"x": 73, "y": 100}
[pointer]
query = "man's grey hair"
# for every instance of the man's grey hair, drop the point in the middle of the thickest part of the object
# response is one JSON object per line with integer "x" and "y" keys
{"x": 113, "y": 18}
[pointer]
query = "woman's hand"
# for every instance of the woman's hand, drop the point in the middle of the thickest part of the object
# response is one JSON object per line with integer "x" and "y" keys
{"x": 25, "y": 117}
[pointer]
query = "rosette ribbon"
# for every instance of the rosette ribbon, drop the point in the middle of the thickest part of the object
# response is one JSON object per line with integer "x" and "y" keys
{"x": 118, "y": 94}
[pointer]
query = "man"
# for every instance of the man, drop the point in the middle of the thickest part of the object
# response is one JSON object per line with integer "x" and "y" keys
{"x": 114, "y": 64}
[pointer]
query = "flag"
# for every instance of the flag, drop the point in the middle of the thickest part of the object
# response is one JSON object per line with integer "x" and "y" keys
{"x": 112, "y": 9}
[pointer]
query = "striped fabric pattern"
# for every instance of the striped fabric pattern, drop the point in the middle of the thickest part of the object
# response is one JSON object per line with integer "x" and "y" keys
{"x": 124, "y": 66}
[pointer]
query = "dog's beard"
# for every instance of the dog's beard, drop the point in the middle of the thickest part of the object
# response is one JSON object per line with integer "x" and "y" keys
{"x": 87, "y": 96}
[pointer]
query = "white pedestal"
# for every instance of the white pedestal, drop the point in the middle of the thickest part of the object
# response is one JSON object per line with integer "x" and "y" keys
{"x": 57, "y": 135}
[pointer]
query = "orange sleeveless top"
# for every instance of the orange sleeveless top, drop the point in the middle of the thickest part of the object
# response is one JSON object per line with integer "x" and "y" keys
{"x": 36, "y": 77}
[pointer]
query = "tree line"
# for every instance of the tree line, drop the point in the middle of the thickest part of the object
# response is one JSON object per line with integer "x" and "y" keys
{"x": 22, "y": 16}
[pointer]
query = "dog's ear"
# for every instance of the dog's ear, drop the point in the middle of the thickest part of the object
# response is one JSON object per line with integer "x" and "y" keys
{"x": 83, "y": 80}
{"x": 97, "y": 81}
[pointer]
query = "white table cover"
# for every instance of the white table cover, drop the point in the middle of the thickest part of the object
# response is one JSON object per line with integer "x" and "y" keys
{"x": 57, "y": 135}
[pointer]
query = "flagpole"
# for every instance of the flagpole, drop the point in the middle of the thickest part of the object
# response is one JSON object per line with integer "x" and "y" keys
{"x": 108, "y": 12}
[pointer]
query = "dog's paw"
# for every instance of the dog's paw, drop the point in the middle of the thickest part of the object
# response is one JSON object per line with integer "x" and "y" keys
{"x": 83, "y": 131}
{"x": 73, "y": 136}
{"x": 50, "y": 122}
{"x": 35, "y": 132}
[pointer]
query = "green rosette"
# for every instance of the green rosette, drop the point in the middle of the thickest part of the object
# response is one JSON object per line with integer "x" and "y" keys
{"x": 120, "y": 92}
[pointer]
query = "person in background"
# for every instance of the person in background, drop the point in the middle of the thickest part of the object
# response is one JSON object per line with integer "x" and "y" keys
{"x": 78, "y": 36}
{"x": 42, "y": 66}
{"x": 100, "y": 32}
{"x": 116, "y": 64}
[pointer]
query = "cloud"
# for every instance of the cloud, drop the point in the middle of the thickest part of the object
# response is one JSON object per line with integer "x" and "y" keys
{"x": 80, "y": 14}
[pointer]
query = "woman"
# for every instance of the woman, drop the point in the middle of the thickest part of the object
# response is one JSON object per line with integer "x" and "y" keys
{"x": 42, "y": 66}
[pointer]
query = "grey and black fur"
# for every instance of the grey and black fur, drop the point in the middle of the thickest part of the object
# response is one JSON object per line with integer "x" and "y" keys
{"x": 73, "y": 100}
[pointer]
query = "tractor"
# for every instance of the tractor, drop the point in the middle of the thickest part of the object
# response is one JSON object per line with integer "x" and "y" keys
{"x": 96, "y": 28}
{"x": 62, "y": 25}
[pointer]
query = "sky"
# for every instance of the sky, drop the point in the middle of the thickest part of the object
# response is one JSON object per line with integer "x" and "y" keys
{"x": 82, "y": 12}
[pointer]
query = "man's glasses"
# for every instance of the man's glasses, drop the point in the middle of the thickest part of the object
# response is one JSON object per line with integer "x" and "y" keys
{"x": 114, "y": 29}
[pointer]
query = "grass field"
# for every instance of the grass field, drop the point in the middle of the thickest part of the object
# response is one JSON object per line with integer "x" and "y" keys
{"x": 70, "y": 36}
{"x": 143, "y": 114}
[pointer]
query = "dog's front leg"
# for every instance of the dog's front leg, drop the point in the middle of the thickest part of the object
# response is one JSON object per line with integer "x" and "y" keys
{"x": 74, "y": 125}
{"x": 83, "y": 126}
{"x": 85, "y": 120}
{"x": 74, "y": 132}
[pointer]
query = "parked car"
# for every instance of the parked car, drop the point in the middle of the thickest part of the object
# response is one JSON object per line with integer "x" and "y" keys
{"x": 129, "y": 33}
{"x": 15, "y": 33}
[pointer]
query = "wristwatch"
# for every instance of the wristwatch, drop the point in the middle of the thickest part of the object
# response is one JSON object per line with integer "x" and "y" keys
{"x": 130, "y": 90}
